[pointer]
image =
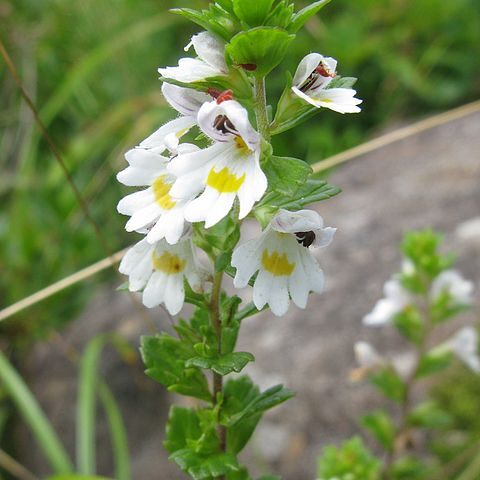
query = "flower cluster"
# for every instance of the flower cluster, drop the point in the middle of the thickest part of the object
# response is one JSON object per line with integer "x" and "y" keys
{"x": 184, "y": 185}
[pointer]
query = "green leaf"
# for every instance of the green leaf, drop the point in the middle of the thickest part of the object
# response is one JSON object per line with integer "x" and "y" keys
{"x": 252, "y": 12}
{"x": 262, "y": 402}
{"x": 165, "y": 358}
{"x": 281, "y": 16}
{"x": 262, "y": 47}
{"x": 432, "y": 362}
{"x": 409, "y": 323}
{"x": 223, "y": 364}
{"x": 389, "y": 382}
{"x": 286, "y": 175}
{"x": 429, "y": 415}
{"x": 301, "y": 17}
{"x": 215, "y": 19}
{"x": 380, "y": 425}
{"x": 342, "y": 82}
{"x": 223, "y": 261}
{"x": 312, "y": 191}
{"x": 201, "y": 467}
{"x": 219, "y": 239}
{"x": 32, "y": 414}
{"x": 118, "y": 433}
{"x": 352, "y": 461}
{"x": 409, "y": 468}
{"x": 239, "y": 393}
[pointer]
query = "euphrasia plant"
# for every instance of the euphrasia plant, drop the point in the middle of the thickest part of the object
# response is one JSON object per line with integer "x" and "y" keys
{"x": 194, "y": 197}
{"x": 418, "y": 301}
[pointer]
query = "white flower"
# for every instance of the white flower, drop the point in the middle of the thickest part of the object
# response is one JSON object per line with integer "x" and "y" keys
{"x": 464, "y": 344}
{"x": 187, "y": 102}
{"x": 154, "y": 208}
{"x": 159, "y": 270}
{"x": 396, "y": 299}
{"x": 313, "y": 75}
{"x": 210, "y": 61}
{"x": 367, "y": 356}
{"x": 228, "y": 169}
{"x": 452, "y": 283}
{"x": 284, "y": 263}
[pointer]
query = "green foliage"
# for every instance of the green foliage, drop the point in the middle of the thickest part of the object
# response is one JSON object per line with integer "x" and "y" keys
{"x": 165, "y": 359}
{"x": 194, "y": 445}
{"x": 262, "y": 48}
{"x": 380, "y": 425}
{"x": 410, "y": 468}
{"x": 433, "y": 362}
{"x": 429, "y": 415}
{"x": 313, "y": 190}
{"x": 350, "y": 461}
{"x": 410, "y": 324}
{"x": 422, "y": 249}
{"x": 252, "y": 12}
{"x": 300, "y": 18}
{"x": 222, "y": 364}
{"x": 389, "y": 382}
{"x": 286, "y": 175}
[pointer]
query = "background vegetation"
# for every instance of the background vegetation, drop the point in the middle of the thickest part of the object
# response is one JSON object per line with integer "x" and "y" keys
{"x": 90, "y": 66}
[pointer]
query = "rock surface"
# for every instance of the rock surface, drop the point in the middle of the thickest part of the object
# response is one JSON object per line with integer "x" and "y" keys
{"x": 429, "y": 180}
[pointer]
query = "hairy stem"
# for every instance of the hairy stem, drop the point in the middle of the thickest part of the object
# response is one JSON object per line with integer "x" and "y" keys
{"x": 217, "y": 325}
{"x": 261, "y": 108}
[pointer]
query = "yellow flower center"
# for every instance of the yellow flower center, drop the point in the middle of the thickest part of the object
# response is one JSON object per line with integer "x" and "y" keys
{"x": 168, "y": 263}
{"x": 276, "y": 264}
{"x": 161, "y": 191}
{"x": 241, "y": 145}
{"x": 224, "y": 181}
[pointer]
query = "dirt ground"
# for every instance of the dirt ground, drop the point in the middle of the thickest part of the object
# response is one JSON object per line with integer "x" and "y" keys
{"x": 429, "y": 180}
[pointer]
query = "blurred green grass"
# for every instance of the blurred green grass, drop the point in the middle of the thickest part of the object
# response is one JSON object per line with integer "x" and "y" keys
{"x": 90, "y": 66}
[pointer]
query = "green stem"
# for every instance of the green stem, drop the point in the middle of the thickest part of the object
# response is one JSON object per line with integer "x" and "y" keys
{"x": 261, "y": 108}
{"x": 217, "y": 325}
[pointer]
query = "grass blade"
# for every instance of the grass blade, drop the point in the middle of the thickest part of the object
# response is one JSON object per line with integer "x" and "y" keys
{"x": 118, "y": 433}
{"x": 33, "y": 415}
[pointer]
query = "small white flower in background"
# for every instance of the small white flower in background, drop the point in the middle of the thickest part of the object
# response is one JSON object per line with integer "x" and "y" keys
{"x": 396, "y": 299}
{"x": 286, "y": 267}
{"x": 153, "y": 207}
{"x": 367, "y": 356}
{"x": 210, "y": 62}
{"x": 227, "y": 169}
{"x": 464, "y": 344}
{"x": 160, "y": 270}
{"x": 313, "y": 75}
{"x": 452, "y": 283}
{"x": 187, "y": 102}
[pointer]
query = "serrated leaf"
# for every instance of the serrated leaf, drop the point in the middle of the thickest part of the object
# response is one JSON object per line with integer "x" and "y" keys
{"x": 183, "y": 425}
{"x": 312, "y": 191}
{"x": 380, "y": 425}
{"x": 301, "y": 17}
{"x": 223, "y": 364}
{"x": 261, "y": 47}
{"x": 211, "y": 20}
{"x": 286, "y": 175}
{"x": 200, "y": 467}
{"x": 238, "y": 394}
{"x": 252, "y": 12}
{"x": 165, "y": 358}
{"x": 265, "y": 401}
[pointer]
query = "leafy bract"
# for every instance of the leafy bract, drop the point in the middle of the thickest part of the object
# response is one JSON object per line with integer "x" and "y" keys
{"x": 165, "y": 358}
{"x": 301, "y": 17}
{"x": 260, "y": 48}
